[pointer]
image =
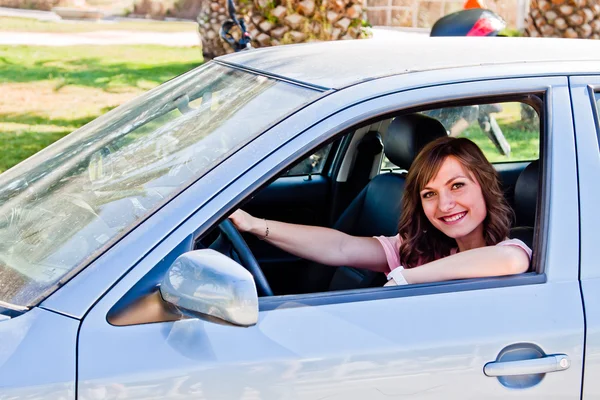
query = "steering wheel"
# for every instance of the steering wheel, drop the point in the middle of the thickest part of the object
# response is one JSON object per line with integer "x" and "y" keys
{"x": 247, "y": 259}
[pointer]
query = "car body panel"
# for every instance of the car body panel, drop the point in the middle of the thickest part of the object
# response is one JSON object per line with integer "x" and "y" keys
{"x": 38, "y": 356}
{"x": 362, "y": 60}
{"x": 588, "y": 160}
{"x": 373, "y": 349}
{"x": 425, "y": 346}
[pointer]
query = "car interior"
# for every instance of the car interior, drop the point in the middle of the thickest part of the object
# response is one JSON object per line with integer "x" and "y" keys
{"x": 351, "y": 192}
{"x": 355, "y": 184}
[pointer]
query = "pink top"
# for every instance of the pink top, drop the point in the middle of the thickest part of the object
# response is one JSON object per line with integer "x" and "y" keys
{"x": 391, "y": 246}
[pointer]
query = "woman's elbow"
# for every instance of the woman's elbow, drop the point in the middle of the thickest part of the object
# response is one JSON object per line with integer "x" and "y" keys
{"x": 518, "y": 262}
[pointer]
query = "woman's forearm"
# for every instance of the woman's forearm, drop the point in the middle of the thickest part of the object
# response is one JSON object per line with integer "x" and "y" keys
{"x": 310, "y": 242}
{"x": 323, "y": 245}
{"x": 477, "y": 263}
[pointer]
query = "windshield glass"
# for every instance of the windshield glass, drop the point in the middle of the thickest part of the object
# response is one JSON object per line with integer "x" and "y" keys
{"x": 61, "y": 207}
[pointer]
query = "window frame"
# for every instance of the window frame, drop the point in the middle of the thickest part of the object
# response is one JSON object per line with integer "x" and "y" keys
{"x": 586, "y": 114}
{"x": 539, "y": 276}
{"x": 594, "y": 91}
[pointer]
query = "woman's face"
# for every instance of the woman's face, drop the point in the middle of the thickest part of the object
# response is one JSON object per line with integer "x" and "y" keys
{"x": 454, "y": 204}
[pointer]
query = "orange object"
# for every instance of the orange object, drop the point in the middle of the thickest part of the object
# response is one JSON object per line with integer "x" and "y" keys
{"x": 474, "y": 4}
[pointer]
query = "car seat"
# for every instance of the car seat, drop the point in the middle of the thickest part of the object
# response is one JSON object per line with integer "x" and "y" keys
{"x": 526, "y": 194}
{"x": 376, "y": 210}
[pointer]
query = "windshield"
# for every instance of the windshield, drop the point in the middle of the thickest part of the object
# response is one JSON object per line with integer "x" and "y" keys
{"x": 64, "y": 205}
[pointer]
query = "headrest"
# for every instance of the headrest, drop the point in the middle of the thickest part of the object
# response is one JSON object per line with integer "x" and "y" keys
{"x": 526, "y": 191}
{"x": 407, "y": 135}
{"x": 370, "y": 144}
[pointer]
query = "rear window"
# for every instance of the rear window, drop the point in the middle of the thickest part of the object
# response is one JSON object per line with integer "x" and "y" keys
{"x": 505, "y": 132}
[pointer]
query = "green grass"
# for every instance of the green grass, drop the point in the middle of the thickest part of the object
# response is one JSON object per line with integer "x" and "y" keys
{"x": 104, "y": 67}
{"x": 47, "y": 92}
{"x": 523, "y": 137}
{"x": 11, "y": 24}
{"x": 523, "y": 141}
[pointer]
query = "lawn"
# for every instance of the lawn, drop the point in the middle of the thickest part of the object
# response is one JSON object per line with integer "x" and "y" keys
{"x": 47, "y": 92}
{"x": 524, "y": 137}
{"x": 10, "y": 24}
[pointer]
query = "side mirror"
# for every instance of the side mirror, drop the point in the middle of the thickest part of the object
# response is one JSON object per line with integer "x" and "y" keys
{"x": 209, "y": 283}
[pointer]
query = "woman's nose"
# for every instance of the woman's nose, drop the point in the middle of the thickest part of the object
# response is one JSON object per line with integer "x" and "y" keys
{"x": 446, "y": 202}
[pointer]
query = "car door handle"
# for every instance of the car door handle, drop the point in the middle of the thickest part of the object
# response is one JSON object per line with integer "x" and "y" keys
{"x": 554, "y": 363}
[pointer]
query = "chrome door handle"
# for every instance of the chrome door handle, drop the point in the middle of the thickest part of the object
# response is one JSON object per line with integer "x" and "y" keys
{"x": 558, "y": 362}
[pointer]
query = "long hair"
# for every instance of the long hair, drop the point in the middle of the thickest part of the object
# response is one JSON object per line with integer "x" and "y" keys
{"x": 421, "y": 241}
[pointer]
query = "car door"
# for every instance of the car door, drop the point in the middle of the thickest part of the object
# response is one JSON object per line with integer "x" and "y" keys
{"x": 420, "y": 341}
{"x": 585, "y": 94}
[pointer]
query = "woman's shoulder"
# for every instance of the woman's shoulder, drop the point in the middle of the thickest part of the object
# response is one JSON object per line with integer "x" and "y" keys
{"x": 517, "y": 243}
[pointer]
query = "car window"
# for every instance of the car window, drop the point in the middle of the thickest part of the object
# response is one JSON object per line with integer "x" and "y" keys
{"x": 312, "y": 164}
{"x": 505, "y": 132}
{"x": 62, "y": 206}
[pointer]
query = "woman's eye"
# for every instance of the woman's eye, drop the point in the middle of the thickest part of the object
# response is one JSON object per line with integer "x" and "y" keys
{"x": 458, "y": 185}
{"x": 427, "y": 195}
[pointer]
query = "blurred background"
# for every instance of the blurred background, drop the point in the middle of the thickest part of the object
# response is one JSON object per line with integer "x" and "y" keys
{"x": 63, "y": 63}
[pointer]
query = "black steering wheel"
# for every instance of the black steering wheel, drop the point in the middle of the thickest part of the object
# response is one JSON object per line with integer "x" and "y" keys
{"x": 247, "y": 259}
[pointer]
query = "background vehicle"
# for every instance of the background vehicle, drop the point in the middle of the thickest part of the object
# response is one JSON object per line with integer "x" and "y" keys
{"x": 95, "y": 303}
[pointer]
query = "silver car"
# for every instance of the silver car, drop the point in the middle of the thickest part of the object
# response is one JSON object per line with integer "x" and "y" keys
{"x": 121, "y": 277}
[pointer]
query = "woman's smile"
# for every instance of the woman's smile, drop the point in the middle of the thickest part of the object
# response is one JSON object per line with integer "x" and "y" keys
{"x": 454, "y": 218}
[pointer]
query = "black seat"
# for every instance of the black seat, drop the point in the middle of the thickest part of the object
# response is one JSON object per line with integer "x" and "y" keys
{"x": 526, "y": 193}
{"x": 376, "y": 210}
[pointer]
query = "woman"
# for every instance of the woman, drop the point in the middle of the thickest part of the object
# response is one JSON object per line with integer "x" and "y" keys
{"x": 454, "y": 225}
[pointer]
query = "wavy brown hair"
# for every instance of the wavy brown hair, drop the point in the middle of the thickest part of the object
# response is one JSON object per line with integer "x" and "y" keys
{"x": 421, "y": 241}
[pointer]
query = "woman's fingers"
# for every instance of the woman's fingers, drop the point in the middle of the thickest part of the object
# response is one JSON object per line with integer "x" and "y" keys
{"x": 241, "y": 220}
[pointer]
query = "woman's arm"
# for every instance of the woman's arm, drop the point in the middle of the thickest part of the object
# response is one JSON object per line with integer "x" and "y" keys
{"x": 323, "y": 245}
{"x": 476, "y": 263}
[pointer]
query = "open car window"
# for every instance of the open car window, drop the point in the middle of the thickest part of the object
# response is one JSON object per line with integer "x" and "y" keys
{"x": 512, "y": 139}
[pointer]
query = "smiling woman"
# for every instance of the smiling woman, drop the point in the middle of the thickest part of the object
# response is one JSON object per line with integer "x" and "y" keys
{"x": 446, "y": 205}
{"x": 453, "y": 216}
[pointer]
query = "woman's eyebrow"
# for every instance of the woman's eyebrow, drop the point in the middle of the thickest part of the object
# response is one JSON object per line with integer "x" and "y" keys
{"x": 447, "y": 182}
{"x": 456, "y": 177}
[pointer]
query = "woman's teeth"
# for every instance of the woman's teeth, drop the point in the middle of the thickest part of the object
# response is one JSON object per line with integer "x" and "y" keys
{"x": 455, "y": 217}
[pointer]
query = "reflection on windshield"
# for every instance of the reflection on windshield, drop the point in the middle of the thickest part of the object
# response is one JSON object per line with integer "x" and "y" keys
{"x": 60, "y": 207}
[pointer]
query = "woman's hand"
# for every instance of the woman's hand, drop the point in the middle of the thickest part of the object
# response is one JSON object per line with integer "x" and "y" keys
{"x": 243, "y": 221}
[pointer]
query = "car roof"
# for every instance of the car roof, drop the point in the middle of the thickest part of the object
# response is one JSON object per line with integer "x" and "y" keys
{"x": 342, "y": 63}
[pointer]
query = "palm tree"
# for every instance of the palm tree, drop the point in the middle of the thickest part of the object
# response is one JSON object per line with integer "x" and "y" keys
{"x": 564, "y": 18}
{"x": 275, "y": 22}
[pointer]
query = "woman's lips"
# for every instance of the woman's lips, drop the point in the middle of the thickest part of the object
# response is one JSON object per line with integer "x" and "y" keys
{"x": 454, "y": 218}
